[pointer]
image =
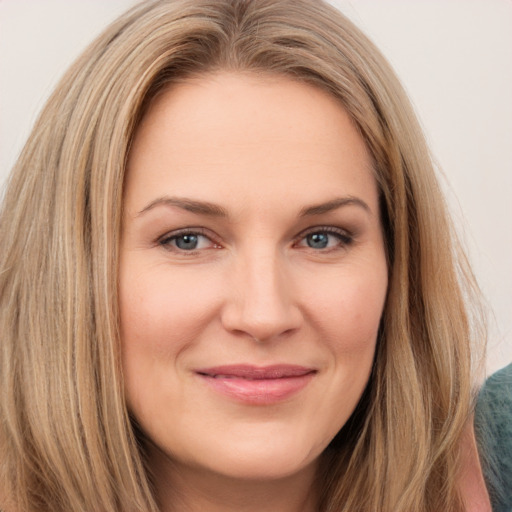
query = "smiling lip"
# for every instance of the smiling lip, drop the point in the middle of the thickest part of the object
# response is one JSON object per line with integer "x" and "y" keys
{"x": 256, "y": 384}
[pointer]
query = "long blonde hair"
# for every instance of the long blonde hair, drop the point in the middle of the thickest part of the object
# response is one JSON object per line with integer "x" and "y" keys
{"x": 66, "y": 439}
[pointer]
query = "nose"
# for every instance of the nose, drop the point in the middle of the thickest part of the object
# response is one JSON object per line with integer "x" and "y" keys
{"x": 261, "y": 303}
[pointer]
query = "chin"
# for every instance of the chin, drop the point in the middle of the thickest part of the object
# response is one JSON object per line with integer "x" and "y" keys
{"x": 263, "y": 465}
{"x": 263, "y": 457}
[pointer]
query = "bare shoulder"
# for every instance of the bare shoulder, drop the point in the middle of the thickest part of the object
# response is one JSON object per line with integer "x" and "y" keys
{"x": 472, "y": 484}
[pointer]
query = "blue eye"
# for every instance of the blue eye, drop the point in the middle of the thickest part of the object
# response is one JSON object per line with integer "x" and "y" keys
{"x": 187, "y": 241}
{"x": 317, "y": 240}
{"x": 320, "y": 239}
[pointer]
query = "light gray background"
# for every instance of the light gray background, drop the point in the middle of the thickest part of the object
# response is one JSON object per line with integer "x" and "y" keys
{"x": 453, "y": 56}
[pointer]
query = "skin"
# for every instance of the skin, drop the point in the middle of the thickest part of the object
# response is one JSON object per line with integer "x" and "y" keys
{"x": 257, "y": 289}
{"x": 472, "y": 484}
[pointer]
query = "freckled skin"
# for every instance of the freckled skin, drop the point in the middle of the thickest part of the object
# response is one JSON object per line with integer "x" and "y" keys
{"x": 252, "y": 287}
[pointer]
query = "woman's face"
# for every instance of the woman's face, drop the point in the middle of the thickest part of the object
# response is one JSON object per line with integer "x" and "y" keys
{"x": 252, "y": 276}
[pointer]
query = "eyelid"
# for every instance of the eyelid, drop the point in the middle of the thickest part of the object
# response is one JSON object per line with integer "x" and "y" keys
{"x": 170, "y": 235}
{"x": 346, "y": 237}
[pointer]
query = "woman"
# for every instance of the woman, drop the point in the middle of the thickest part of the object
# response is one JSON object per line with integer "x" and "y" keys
{"x": 179, "y": 337}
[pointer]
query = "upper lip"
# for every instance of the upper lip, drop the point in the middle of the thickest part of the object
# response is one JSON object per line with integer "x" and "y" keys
{"x": 247, "y": 371}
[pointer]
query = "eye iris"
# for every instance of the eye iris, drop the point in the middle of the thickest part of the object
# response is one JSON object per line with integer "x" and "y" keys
{"x": 187, "y": 242}
{"x": 318, "y": 240}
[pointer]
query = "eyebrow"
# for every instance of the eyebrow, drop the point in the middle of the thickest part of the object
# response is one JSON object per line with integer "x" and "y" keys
{"x": 190, "y": 205}
{"x": 334, "y": 204}
{"x": 214, "y": 210}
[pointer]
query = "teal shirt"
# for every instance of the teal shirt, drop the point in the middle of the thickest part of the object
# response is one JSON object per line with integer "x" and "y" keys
{"x": 493, "y": 427}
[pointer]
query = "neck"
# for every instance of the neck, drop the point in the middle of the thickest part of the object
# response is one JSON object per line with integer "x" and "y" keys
{"x": 184, "y": 489}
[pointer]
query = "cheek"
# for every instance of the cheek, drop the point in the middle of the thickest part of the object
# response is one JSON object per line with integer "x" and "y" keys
{"x": 347, "y": 320}
{"x": 348, "y": 311}
{"x": 163, "y": 310}
{"x": 163, "y": 315}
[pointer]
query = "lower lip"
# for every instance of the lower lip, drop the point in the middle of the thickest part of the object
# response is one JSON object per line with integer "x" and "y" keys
{"x": 259, "y": 391}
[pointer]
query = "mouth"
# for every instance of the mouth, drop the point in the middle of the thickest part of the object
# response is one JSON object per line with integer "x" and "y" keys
{"x": 257, "y": 385}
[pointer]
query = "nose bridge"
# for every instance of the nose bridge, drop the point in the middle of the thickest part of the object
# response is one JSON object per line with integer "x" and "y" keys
{"x": 261, "y": 302}
{"x": 262, "y": 273}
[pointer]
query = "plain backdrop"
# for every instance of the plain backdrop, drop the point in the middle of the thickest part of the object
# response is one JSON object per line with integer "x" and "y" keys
{"x": 453, "y": 56}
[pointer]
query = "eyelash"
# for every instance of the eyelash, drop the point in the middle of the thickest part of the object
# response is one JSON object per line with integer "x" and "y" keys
{"x": 344, "y": 237}
{"x": 167, "y": 239}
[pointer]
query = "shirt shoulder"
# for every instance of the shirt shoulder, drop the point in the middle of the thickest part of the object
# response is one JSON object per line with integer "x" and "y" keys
{"x": 493, "y": 428}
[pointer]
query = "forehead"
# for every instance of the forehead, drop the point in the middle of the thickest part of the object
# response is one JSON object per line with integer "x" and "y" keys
{"x": 247, "y": 134}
